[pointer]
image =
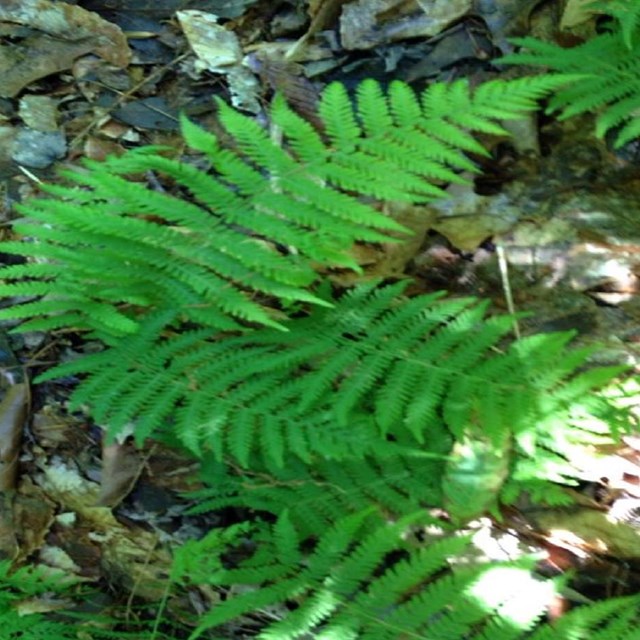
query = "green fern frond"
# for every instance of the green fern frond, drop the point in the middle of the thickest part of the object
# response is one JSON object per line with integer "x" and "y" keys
{"x": 250, "y": 234}
{"x": 626, "y": 12}
{"x": 375, "y": 375}
{"x": 367, "y": 409}
{"x": 365, "y": 578}
{"x": 606, "y": 70}
{"x": 349, "y": 586}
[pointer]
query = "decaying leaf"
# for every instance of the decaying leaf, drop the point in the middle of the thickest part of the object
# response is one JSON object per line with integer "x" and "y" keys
{"x": 576, "y": 12}
{"x": 130, "y": 556}
{"x": 505, "y": 18}
{"x": 13, "y": 412}
{"x": 31, "y": 516}
{"x": 218, "y": 50}
{"x": 36, "y": 57}
{"x": 121, "y": 467}
{"x": 60, "y": 34}
{"x": 14, "y": 394}
{"x": 71, "y": 23}
{"x": 368, "y": 23}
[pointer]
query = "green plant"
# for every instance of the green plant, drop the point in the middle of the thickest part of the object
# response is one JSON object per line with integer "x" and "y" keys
{"x": 110, "y": 251}
{"x": 140, "y": 269}
{"x": 340, "y": 415}
{"x": 368, "y": 578}
{"x": 16, "y": 590}
{"x": 606, "y": 69}
{"x": 626, "y": 12}
{"x": 39, "y": 604}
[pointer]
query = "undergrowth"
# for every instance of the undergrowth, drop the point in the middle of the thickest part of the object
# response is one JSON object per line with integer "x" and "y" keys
{"x": 342, "y": 422}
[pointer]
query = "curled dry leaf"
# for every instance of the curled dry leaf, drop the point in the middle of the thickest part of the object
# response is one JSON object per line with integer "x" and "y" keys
{"x": 121, "y": 467}
{"x": 218, "y": 50}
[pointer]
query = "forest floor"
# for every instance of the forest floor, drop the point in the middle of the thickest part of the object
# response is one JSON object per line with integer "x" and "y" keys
{"x": 559, "y": 204}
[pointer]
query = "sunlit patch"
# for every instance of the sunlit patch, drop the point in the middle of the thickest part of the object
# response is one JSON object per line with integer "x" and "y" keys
{"x": 518, "y": 595}
{"x": 568, "y": 540}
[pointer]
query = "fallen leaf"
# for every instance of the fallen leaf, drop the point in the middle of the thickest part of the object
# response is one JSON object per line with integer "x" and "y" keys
{"x": 505, "y": 18}
{"x": 72, "y": 23}
{"x": 13, "y": 411}
{"x": 121, "y": 467}
{"x": 218, "y": 50}
{"x": 36, "y": 57}
{"x": 367, "y": 23}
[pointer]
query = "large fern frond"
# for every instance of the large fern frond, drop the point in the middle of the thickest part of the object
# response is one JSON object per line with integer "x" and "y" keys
{"x": 378, "y": 380}
{"x": 376, "y": 366}
{"x": 250, "y": 233}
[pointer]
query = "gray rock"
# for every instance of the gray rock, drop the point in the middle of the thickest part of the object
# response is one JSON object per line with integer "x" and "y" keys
{"x": 38, "y": 149}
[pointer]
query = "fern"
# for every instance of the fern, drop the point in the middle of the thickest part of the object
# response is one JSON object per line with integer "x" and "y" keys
{"x": 26, "y": 592}
{"x": 316, "y": 496}
{"x": 28, "y": 583}
{"x": 222, "y": 253}
{"x": 343, "y": 419}
{"x": 22, "y": 589}
{"x": 365, "y": 579}
{"x": 331, "y": 588}
{"x": 627, "y": 12}
{"x": 607, "y": 70}
{"x": 377, "y": 375}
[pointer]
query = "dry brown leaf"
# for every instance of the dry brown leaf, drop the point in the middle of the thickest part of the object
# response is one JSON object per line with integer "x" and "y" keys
{"x": 365, "y": 24}
{"x": 121, "y": 467}
{"x": 13, "y": 413}
{"x": 32, "y": 514}
{"x": 72, "y": 23}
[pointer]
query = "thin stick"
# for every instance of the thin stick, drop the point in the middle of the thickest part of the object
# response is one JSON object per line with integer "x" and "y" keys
{"x": 506, "y": 287}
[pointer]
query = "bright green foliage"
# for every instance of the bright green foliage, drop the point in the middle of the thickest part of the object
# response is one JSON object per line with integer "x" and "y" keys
{"x": 607, "y": 70}
{"x": 17, "y": 588}
{"x": 377, "y": 375}
{"x": 627, "y": 12}
{"x": 344, "y": 587}
{"x": 254, "y": 230}
{"x": 368, "y": 578}
{"x": 337, "y": 415}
